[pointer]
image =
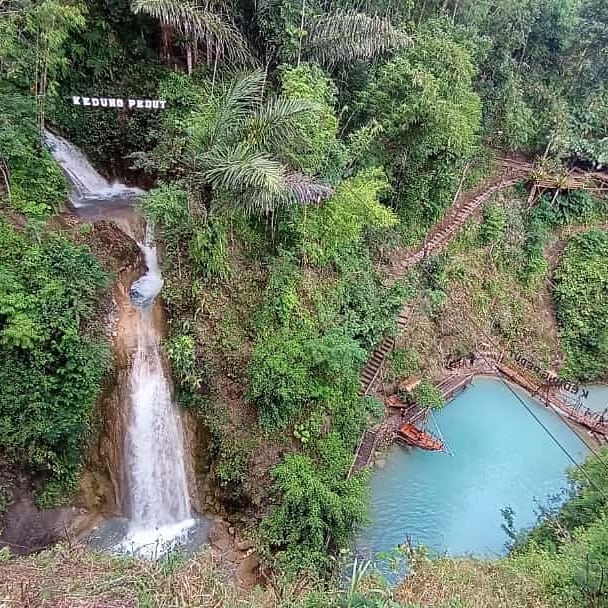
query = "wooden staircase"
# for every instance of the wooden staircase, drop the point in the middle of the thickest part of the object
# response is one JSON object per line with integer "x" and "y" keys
{"x": 462, "y": 210}
{"x": 372, "y": 371}
{"x": 364, "y": 452}
{"x": 511, "y": 173}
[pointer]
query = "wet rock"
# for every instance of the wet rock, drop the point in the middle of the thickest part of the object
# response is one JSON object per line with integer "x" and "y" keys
{"x": 27, "y": 528}
{"x": 244, "y": 545}
{"x": 115, "y": 248}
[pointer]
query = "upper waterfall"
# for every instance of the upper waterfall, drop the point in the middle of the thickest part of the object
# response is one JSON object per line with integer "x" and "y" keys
{"x": 88, "y": 186}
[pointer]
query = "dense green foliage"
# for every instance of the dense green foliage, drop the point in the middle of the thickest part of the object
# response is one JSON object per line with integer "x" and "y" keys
{"x": 52, "y": 370}
{"x": 581, "y": 298}
{"x": 330, "y": 232}
{"x": 519, "y": 238}
{"x": 427, "y": 395}
{"x": 300, "y": 142}
{"x": 32, "y": 58}
{"x": 304, "y": 373}
{"x": 568, "y": 550}
{"x": 429, "y": 117}
{"x": 319, "y": 508}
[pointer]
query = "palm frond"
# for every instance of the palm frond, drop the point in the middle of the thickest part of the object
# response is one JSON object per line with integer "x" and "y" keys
{"x": 345, "y": 37}
{"x": 261, "y": 202}
{"x": 306, "y": 190}
{"x": 198, "y": 22}
{"x": 275, "y": 125}
{"x": 236, "y": 104}
{"x": 239, "y": 168}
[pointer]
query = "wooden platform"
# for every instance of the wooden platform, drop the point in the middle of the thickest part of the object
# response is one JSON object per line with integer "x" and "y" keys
{"x": 452, "y": 385}
{"x": 365, "y": 451}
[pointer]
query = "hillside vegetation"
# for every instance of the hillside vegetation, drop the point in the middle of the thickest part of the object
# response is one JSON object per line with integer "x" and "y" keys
{"x": 300, "y": 145}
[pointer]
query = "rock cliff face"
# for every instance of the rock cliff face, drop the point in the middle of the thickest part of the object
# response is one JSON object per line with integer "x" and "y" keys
{"x": 102, "y": 480}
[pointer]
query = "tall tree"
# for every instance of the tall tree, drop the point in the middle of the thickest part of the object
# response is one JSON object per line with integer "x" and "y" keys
{"x": 231, "y": 148}
{"x": 200, "y": 24}
{"x": 32, "y": 45}
{"x": 430, "y": 117}
{"x": 297, "y": 30}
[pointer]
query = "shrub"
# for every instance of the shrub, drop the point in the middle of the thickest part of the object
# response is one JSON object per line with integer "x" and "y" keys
{"x": 494, "y": 223}
{"x": 317, "y": 508}
{"x": 182, "y": 354}
{"x": 208, "y": 250}
{"x": 295, "y": 368}
{"x": 581, "y": 299}
{"x": 52, "y": 370}
{"x": 36, "y": 185}
{"x": 366, "y": 308}
{"x": 427, "y": 395}
{"x": 320, "y": 152}
{"x": 329, "y": 232}
{"x": 404, "y": 361}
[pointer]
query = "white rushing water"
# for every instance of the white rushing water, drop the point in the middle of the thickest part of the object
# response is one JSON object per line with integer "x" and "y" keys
{"x": 158, "y": 485}
{"x": 159, "y": 501}
{"x": 87, "y": 184}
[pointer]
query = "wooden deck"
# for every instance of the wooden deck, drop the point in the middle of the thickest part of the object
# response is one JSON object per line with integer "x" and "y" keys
{"x": 497, "y": 363}
{"x": 364, "y": 451}
{"x": 595, "y": 422}
{"x": 452, "y": 385}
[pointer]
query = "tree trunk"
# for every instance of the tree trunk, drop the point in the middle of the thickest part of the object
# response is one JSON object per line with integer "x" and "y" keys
{"x": 301, "y": 34}
{"x": 189, "y": 58}
{"x": 166, "y": 32}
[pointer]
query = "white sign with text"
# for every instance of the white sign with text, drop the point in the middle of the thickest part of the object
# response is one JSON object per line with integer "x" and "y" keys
{"x": 119, "y": 102}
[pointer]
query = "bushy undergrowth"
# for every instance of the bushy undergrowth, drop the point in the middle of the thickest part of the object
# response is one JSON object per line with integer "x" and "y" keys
{"x": 33, "y": 181}
{"x": 581, "y": 298}
{"x": 304, "y": 374}
{"x": 52, "y": 369}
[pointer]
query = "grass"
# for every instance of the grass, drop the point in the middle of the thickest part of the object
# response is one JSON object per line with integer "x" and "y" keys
{"x": 66, "y": 577}
{"x": 468, "y": 583}
{"x": 77, "y": 578}
{"x": 480, "y": 304}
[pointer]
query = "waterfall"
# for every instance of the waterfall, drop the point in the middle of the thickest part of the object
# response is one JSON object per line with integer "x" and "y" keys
{"x": 159, "y": 502}
{"x": 87, "y": 184}
{"x": 158, "y": 485}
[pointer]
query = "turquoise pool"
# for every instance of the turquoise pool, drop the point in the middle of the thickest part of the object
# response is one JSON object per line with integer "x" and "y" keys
{"x": 452, "y": 503}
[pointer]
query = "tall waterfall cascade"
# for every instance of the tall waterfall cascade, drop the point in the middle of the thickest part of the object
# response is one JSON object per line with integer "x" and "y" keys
{"x": 158, "y": 498}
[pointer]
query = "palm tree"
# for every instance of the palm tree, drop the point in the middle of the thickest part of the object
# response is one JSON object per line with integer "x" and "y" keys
{"x": 344, "y": 37}
{"x": 199, "y": 23}
{"x": 237, "y": 145}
